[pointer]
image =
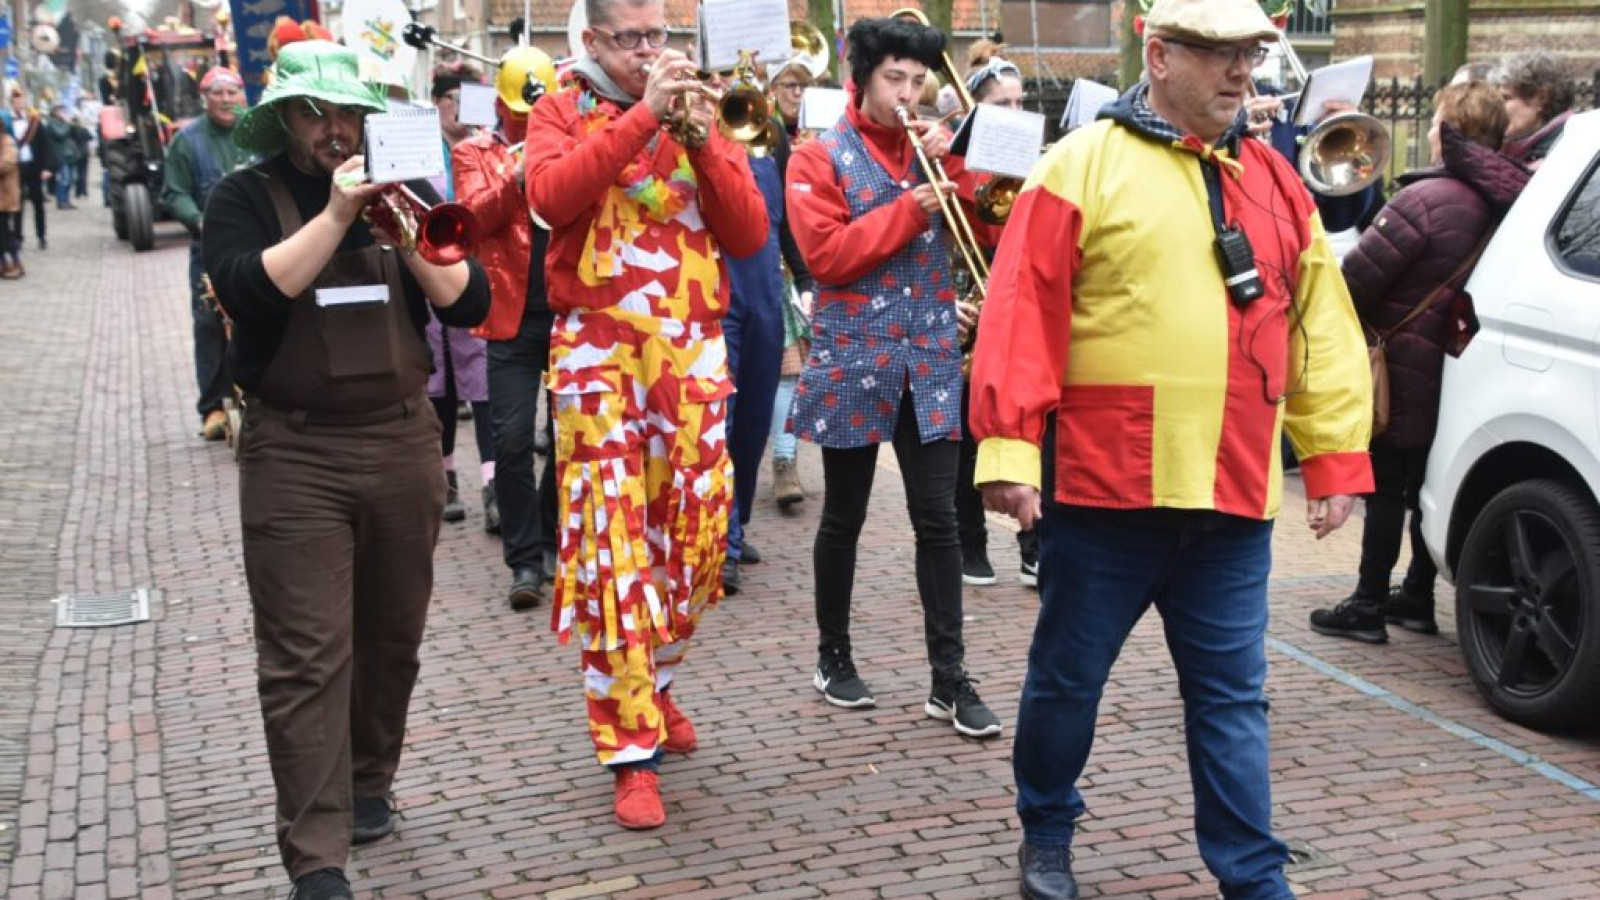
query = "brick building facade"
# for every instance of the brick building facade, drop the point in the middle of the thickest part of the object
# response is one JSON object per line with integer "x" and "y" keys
{"x": 1393, "y": 32}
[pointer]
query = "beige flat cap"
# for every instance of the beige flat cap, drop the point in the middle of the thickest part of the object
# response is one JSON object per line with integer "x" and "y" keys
{"x": 1210, "y": 20}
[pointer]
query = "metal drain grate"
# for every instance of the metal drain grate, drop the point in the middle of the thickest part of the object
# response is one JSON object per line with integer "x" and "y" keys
{"x": 97, "y": 610}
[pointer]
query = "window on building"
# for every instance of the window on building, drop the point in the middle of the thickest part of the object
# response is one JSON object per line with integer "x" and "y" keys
{"x": 1060, "y": 24}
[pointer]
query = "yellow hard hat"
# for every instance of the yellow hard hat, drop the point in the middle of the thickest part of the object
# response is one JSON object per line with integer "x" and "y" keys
{"x": 526, "y": 74}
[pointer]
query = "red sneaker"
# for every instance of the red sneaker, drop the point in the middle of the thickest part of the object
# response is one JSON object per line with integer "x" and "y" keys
{"x": 680, "y": 731}
{"x": 638, "y": 804}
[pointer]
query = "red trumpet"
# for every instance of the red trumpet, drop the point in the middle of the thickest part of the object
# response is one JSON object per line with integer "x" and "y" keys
{"x": 443, "y": 234}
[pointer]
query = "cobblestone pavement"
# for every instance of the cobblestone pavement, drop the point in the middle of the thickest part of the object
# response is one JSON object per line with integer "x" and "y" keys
{"x": 132, "y": 765}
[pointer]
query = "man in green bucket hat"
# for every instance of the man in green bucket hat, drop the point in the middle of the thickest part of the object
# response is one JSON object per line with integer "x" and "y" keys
{"x": 340, "y": 488}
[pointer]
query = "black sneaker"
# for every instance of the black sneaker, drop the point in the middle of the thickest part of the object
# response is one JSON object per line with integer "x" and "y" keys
{"x": 491, "y": 510}
{"x": 955, "y": 701}
{"x": 1028, "y": 549}
{"x": 1046, "y": 872}
{"x": 323, "y": 884}
{"x": 836, "y": 678}
{"x": 454, "y": 509}
{"x": 1410, "y": 613}
{"x": 975, "y": 568}
{"x": 1357, "y": 618}
{"x": 372, "y": 818}
{"x": 730, "y": 578}
{"x": 525, "y": 583}
{"x": 748, "y": 554}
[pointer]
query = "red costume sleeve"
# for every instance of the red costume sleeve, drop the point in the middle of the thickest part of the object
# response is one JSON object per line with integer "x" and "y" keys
{"x": 837, "y": 249}
{"x": 729, "y": 199}
{"x": 486, "y": 184}
{"x": 566, "y": 177}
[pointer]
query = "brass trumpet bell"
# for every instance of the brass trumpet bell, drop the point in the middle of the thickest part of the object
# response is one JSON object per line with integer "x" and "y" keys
{"x": 995, "y": 198}
{"x": 1345, "y": 154}
{"x": 443, "y": 234}
{"x": 743, "y": 113}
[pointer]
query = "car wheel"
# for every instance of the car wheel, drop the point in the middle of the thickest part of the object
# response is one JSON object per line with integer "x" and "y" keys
{"x": 1527, "y": 586}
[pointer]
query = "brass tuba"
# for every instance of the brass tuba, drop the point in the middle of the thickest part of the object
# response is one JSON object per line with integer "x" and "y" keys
{"x": 810, "y": 47}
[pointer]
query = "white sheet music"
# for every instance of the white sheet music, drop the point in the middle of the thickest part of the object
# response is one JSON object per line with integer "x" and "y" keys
{"x": 822, "y": 108}
{"x": 1085, "y": 102}
{"x": 477, "y": 105}
{"x": 733, "y": 25}
{"x": 404, "y": 146}
{"x": 1345, "y": 81}
{"x": 1005, "y": 141}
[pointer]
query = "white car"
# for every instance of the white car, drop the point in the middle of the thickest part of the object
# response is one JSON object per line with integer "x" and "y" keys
{"x": 1509, "y": 508}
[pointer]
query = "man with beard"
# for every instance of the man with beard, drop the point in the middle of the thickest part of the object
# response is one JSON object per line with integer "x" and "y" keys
{"x": 489, "y": 181}
{"x": 198, "y": 157}
{"x": 339, "y": 487}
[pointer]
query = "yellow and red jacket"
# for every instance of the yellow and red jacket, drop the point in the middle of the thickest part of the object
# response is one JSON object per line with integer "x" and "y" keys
{"x": 1107, "y": 307}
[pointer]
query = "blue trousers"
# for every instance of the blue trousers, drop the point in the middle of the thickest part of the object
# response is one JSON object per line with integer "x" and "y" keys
{"x": 1098, "y": 574}
{"x": 753, "y": 330}
{"x": 210, "y": 342}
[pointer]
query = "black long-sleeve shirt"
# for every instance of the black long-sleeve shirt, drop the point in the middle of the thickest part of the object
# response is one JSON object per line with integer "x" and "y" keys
{"x": 241, "y": 223}
{"x": 791, "y": 251}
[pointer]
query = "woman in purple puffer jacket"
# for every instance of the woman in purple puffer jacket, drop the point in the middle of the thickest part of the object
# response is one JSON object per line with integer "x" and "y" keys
{"x": 1417, "y": 242}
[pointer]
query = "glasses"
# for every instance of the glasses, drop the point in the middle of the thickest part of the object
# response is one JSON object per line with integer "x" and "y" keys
{"x": 793, "y": 87}
{"x": 1225, "y": 54}
{"x": 629, "y": 40}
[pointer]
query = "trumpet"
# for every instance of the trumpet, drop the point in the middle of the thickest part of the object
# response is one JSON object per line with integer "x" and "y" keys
{"x": 443, "y": 234}
{"x": 743, "y": 113}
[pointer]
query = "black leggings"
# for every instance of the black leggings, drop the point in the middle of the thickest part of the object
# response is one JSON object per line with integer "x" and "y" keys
{"x": 1397, "y": 476}
{"x": 929, "y": 473}
{"x": 445, "y": 408}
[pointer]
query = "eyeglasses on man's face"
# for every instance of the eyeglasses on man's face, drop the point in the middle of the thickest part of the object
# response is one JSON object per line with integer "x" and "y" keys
{"x": 629, "y": 40}
{"x": 1224, "y": 54}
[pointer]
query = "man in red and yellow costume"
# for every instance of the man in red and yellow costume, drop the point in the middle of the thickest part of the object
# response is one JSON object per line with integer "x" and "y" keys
{"x": 640, "y": 223}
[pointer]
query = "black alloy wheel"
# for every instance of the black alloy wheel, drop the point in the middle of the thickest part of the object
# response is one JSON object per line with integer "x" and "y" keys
{"x": 1528, "y": 605}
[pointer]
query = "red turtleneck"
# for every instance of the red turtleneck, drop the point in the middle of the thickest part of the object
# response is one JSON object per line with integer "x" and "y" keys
{"x": 840, "y": 250}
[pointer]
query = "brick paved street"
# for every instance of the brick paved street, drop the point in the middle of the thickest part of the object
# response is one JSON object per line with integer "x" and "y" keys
{"x": 132, "y": 762}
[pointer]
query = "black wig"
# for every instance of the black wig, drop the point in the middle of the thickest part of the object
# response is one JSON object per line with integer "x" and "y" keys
{"x": 874, "y": 40}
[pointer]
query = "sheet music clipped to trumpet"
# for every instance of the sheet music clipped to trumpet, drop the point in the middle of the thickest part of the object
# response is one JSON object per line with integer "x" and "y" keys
{"x": 403, "y": 146}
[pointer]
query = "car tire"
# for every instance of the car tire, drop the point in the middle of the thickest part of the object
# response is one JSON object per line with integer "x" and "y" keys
{"x": 1528, "y": 605}
{"x": 140, "y": 216}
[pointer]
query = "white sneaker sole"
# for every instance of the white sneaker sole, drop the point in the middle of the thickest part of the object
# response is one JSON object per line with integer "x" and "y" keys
{"x": 1028, "y": 579}
{"x": 979, "y": 580}
{"x": 822, "y": 686}
{"x": 936, "y": 711}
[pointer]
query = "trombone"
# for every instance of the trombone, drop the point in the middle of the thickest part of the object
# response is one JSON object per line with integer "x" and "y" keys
{"x": 966, "y": 240}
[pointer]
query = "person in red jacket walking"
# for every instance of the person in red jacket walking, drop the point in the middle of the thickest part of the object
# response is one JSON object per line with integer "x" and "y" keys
{"x": 640, "y": 222}
{"x": 489, "y": 181}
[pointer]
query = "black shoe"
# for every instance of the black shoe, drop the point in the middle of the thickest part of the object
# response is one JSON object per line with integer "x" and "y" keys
{"x": 955, "y": 701}
{"x": 454, "y": 510}
{"x": 748, "y": 554}
{"x": 491, "y": 510}
{"x": 1028, "y": 549}
{"x": 44, "y": 244}
{"x": 547, "y": 566}
{"x": 525, "y": 583}
{"x": 1357, "y": 618}
{"x": 323, "y": 884}
{"x": 836, "y": 678}
{"x": 1410, "y": 613}
{"x": 372, "y": 818}
{"x": 975, "y": 568}
{"x": 730, "y": 578}
{"x": 1047, "y": 873}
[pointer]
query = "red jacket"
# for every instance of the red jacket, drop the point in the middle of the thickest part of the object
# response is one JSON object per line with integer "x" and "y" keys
{"x": 570, "y": 171}
{"x": 486, "y": 183}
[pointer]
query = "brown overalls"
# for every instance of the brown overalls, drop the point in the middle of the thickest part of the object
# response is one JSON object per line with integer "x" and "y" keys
{"x": 340, "y": 495}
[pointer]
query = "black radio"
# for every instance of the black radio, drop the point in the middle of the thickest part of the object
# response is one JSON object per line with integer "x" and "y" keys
{"x": 1238, "y": 266}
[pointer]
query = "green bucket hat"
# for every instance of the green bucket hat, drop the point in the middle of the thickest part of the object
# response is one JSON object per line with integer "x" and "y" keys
{"x": 317, "y": 70}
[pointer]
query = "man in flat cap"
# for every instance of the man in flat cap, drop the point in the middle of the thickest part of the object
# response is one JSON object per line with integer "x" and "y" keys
{"x": 1197, "y": 315}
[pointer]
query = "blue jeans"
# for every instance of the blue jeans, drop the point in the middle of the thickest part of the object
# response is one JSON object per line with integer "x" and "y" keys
{"x": 1098, "y": 574}
{"x": 784, "y": 442}
{"x": 63, "y": 183}
{"x": 210, "y": 342}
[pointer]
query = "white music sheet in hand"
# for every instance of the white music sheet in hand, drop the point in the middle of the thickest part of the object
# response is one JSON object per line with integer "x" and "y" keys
{"x": 477, "y": 105}
{"x": 1085, "y": 102}
{"x": 1005, "y": 141}
{"x": 403, "y": 146}
{"x": 822, "y": 108}
{"x": 730, "y": 26}
{"x": 1344, "y": 81}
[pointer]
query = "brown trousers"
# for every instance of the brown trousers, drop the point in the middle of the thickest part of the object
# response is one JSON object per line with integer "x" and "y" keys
{"x": 340, "y": 523}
